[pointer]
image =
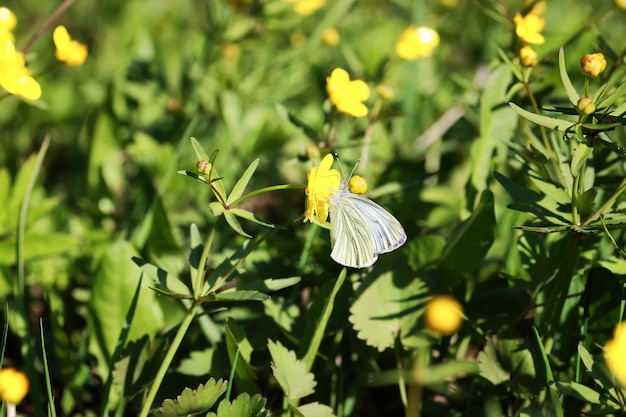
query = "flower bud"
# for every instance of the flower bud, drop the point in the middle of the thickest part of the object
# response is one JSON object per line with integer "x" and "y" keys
{"x": 13, "y": 385}
{"x": 203, "y": 167}
{"x": 593, "y": 64}
{"x": 585, "y": 106}
{"x": 443, "y": 314}
{"x": 357, "y": 185}
{"x": 527, "y": 56}
{"x": 330, "y": 36}
{"x": 385, "y": 91}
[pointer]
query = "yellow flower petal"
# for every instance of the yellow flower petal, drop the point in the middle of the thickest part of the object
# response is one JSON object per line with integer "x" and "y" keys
{"x": 528, "y": 28}
{"x": 443, "y": 314}
{"x": 417, "y": 42}
{"x": 8, "y": 21}
{"x": 13, "y": 385}
{"x": 68, "y": 50}
{"x": 347, "y": 95}
{"x": 615, "y": 354}
{"x": 322, "y": 182}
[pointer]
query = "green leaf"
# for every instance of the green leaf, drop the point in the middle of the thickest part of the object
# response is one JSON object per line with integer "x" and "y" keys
{"x": 199, "y": 363}
{"x": 191, "y": 402}
{"x": 248, "y": 215}
{"x": 242, "y": 406}
{"x": 471, "y": 240}
{"x": 423, "y": 252}
{"x": 201, "y": 155}
{"x": 37, "y": 245}
{"x": 242, "y": 183}
{"x": 386, "y": 307}
{"x": 571, "y": 92}
{"x": 240, "y": 354}
{"x": 586, "y": 394}
{"x": 581, "y": 155}
{"x": 546, "y": 121}
{"x": 166, "y": 282}
{"x": 489, "y": 365}
{"x": 240, "y": 296}
{"x": 270, "y": 284}
{"x": 234, "y": 224}
{"x": 290, "y": 372}
{"x": 316, "y": 409}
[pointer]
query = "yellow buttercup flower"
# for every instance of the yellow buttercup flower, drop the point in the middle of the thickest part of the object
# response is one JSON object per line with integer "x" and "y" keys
{"x": 615, "y": 353}
{"x": 13, "y": 385}
{"x": 348, "y": 96}
{"x": 8, "y": 21}
{"x": 14, "y": 76}
{"x": 72, "y": 52}
{"x": 357, "y": 185}
{"x": 330, "y": 36}
{"x": 417, "y": 42}
{"x": 322, "y": 182}
{"x": 621, "y": 4}
{"x": 443, "y": 314}
{"x": 528, "y": 28}
{"x": 306, "y": 7}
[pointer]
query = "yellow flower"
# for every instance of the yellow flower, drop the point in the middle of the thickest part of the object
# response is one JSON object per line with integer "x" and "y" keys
{"x": 322, "y": 182}
{"x": 14, "y": 76}
{"x": 615, "y": 353}
{"x": 348, "y": 96}
{"x": 357, "y": 185}
{"x": 443, "y": 314}
{"x": 593, "y": 64}
{"x": 13, "y": 385}
{"x": 385, "y": 91}
{"x": 306, "y": 7}
{"x": 417, "y": 42}
{"x": 621, "y": 4}
{"x": 529, "y": 28}
{"x": 527, "y": 56}
{"x": 330, "y": 36}
{"x": 68, "y": 50}
{"x": 8, "y": 21}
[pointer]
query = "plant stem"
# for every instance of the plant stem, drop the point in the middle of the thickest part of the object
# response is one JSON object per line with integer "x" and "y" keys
{"x": 167, "y": 360}
{"x": 46, "y": 25}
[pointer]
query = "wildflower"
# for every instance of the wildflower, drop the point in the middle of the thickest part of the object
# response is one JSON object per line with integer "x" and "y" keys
{"x": 585, "y": 106}
{"x": 593, "y": 64}
{"x": 529, "y": 28}
{"x": 203, "y": 167}
{"x": 527, "y": 56}
{"x": 347, "y": 95}
{"x": 357, "y": 185}
{"x": 615, "y": 353}
{"x": 417, "y": 42}
{"x": 68, "y": 50}
{"x": 13, "y": 385}
{"x": 330, "y": 36}
{"x": 306, "y": 7}
{"x": 621, "y": 4}
{"x": 385, "y": 91}
{"x": 8, "y": 21}
{"x": 443, "y": 314}
{"x": 322, "y": 182}
{"x": 14, "y": 76}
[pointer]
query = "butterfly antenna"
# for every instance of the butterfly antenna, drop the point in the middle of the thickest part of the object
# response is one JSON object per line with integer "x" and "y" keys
{"x": 343, "y": 173}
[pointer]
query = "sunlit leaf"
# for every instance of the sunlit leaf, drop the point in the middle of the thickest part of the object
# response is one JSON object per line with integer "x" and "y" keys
{"x": 290, "y": 372}
{"x": 195, "y": 401}
{"x": 242, "y": 406}
{"x": 242, "y": 183}
{"x": 571, "y": 92}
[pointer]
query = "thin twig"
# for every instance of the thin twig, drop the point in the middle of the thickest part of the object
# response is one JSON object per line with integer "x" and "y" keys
{"x": 46, "y": 25}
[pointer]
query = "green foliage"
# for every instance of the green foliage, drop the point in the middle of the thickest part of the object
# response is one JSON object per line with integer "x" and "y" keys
{"x": 152, "y": 248}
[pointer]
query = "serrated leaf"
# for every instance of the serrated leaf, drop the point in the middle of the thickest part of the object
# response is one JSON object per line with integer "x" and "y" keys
{"x": 242, "y": 406}
{"x": 546, "y": 121}
{"x": 199, "y": 363}
{"x": 242, "y": 183}
{"x": 290, "y": 372}
{"x": 240, "y": 353}
{"x": 386, "y": 307}
{"x": 571, "y": 92}
{"x": 191, "y": 402}
{"x": 489, "y": 365}
{"x": 248, "y": 215}
{"x": 234, "y": 224}
{"x": 316, "y": 409}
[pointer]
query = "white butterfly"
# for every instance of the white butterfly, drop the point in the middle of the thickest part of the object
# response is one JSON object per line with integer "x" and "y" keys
{"x": 360, "y": 229}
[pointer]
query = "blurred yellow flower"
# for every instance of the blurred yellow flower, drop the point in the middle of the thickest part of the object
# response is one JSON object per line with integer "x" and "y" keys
{"x": 306, "y": 7}
{"x": 330, "y": 36}
{"x": 322, "y": 182}
{"x": 385, "y": 91}
{"x": 529, "y": 28}
{"x": 417, "y": 42}
{"x": 13, "y": 385}
{"x": 348, "y": 96}
{"x": 357, "y": 185}
{"x": 14, "y": 76}
{"x": 615, "y": 353}
{"x": 443, "y": 314}
{"x": 539, "y": 8}
{"x": 8, "y": 21}
{"x": 593, "y": 64}
{"x": 68, "y": 50}
{"x": 621, "y": 4}
{"x": 527, "y": 56}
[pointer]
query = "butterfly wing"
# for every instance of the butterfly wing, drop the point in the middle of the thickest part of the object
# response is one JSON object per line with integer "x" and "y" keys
{"x": 386, "y": 231}
{"x": 361, "y": 229}
{"x": 350, "y": 237}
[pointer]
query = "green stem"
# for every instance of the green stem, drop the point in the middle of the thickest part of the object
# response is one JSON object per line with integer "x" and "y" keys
{"x": 199, "y": 278}
{"x": 180, "y": 334}
{"x": 606, "y": 205}
{"x": 575, "y": 188}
